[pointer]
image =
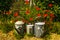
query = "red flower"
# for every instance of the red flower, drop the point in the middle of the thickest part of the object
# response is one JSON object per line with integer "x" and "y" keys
{"x": 37, "y": 8}
{"x": 26, "y": 2}
{"x": 45, "y": 15}
{"x": 27, "y": 12}
{"x": 23, "y": 20}
{"x": 47, "y": 10}
{"x": 39, "y": 15}
{"x": 31, "y": 19}
{"x": 50, "y": 5}
{"x": 51, "y": 19}
{"x": 15, "y": 14}
{"x": 26, "y": 21}
{"x": 8, "y": 12}
{"x": 52, "y": 15}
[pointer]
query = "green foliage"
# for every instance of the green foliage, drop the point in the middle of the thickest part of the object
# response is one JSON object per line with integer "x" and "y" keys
{"x": 56, "y": 27}
{"x": 21, "y": 8}
{"x": 6, "y": 27}
{"x": 47, "y": 37}
{"x": 5, "y": 5}
{"x": 18, "y": 36}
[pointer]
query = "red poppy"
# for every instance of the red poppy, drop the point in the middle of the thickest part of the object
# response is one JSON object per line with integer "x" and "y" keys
{"x": 52, "y": 15}
{"x": 23, "y": 20}
{"x": 8, "y": 12}
{"x": 37, "y": 8}
{"x": 26, "y": 2}
{"x": 47, "y": 10}
{"x": 50, "y": 5}
{"x": 26, "y": 21}
{"x": 31, "y": 19}
{"x": 45, "y": 15}
{"x": 39, "y": 15}
{"x": 27, "y": 12}
{"x": 51, "y": 19}
{"x": 15, "y": 14}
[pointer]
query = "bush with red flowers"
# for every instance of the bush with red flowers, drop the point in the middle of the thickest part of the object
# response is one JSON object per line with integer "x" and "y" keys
{"x": 26, "y": 1}
{"x": 15, "y": 14}
{"x": 30, "y": 12}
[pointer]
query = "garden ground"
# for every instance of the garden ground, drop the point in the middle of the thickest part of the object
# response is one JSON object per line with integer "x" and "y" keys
{"x": 10, "y": 36}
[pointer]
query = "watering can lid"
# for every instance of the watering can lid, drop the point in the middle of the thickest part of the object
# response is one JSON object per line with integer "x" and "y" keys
{"x": 40, "y": 23}
{"x": 19, "y": 22}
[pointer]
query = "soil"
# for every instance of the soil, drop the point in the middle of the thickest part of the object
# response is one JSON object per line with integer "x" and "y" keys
{"x": 10, "y": 36}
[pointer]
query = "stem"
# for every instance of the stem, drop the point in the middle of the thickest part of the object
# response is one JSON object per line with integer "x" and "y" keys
{"x": 30, "y": 3}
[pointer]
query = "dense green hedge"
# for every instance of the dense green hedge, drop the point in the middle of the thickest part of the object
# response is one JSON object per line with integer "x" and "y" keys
{"x": 5, "y": 4}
